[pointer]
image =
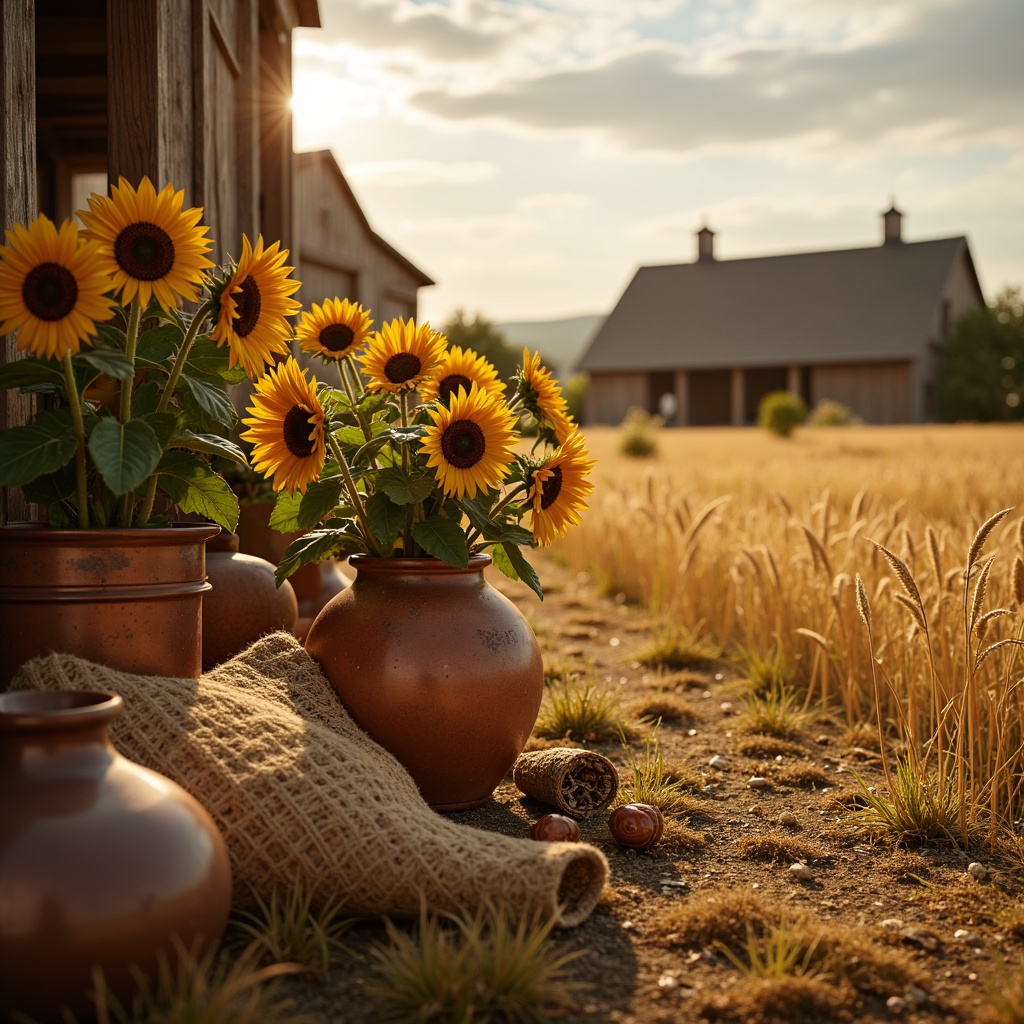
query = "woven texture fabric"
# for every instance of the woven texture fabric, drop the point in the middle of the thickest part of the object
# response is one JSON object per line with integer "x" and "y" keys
{"x": 300, "y": 792}
{"x": 579, "y": 783}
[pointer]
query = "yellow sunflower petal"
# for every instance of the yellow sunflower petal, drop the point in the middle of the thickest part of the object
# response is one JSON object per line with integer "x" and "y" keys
{"x": 400, "y": 355}
{"x": 334, "y": 330}
{"x": 470, "y": 444}
{"x": 148, "y": 244}
{"x": 255, "y": 305}
{"x": 559, "y": 488}
{"x": 460, "y": 368}
{"x": 286, "y": 428}
{"x": 52, "y": 287}
{"x": 543, "y": 398}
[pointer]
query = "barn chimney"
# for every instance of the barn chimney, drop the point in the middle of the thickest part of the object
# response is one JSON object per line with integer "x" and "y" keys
{"x": 892, "y": 221}
{"x": 705, "y": 245}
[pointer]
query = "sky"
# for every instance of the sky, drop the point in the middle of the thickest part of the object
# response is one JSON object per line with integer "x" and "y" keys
{"x": 530, "y": 155}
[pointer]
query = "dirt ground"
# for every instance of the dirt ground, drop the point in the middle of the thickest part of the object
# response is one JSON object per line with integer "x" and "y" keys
{"x": 921, "y": 905}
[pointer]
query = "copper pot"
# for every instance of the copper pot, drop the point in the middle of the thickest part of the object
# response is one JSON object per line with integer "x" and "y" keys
{"x": 438, "y": 667}
{"x": 245, "y": 602}
{"x": 101, "y": 861}
{"x": 131, "y": 599}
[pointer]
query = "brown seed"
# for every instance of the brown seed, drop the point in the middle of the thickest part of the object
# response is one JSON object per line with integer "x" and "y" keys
{"x": 555, "y": 828}
{"x": 636, "y": 826}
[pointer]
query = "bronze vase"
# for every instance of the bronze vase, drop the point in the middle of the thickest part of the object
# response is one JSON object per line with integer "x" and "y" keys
{"x": 245, "y": 602}
{"x": 130, "y": 599}
{"x": 438, "y": 667}
{"x": 102, "y": 861}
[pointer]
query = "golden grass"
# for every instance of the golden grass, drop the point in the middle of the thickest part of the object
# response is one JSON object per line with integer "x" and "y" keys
{"x": 759, "y": 543}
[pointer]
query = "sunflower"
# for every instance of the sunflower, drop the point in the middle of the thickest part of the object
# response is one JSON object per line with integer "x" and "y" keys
{"x": 470, "y": 444}
{"x": 287, "y": 428}
{"x": 558, "y": 489}
{"x": 333, "y": 330}
{"x": 255, "y": 306}
{"x": 460, "y": 368}
{"x": 150, "y": 246}
{"x": 543, "y": 399}
{"x": 52, "y": 288}
{"x": 400, "y": 355}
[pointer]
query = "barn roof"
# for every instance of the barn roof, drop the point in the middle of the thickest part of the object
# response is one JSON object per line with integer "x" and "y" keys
{"x": 847, "y": 305}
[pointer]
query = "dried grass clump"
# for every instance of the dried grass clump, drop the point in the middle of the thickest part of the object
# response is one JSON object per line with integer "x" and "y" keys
{"x": 777, "y": 846}
{"x": 723, "y": 916}
{"x": 676, "y": 647}
{"x": 651, "y": 781}
{"x": 788, "y": 1000}
{"x": 580, "y": 709}
{"x": 668, "y": 708}
{"x": 775, "y": 712}
{"x": 769, "y": 746}
{"x": 802, "y": 775}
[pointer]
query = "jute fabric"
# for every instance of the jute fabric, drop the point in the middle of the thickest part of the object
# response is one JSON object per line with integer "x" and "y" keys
{"x": 299, "y": 792}
{"x": 579, "y": 783}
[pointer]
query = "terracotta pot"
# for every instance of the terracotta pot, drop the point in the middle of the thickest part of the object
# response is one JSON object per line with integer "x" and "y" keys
{"x": 131, "y": 599}
{"x": 101, "y": 861}
{"x": 245, "y": 602}
{"x": 314, "y": 585}
{"x": 438, "y": 667}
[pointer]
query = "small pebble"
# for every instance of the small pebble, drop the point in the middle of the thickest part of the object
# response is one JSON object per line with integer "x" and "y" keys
{"x": 719, "y": 762}
{"x": 896, "y": 1004}
{"x": 757, "y": 782}
{"x": 916, "y": 995}
{"x": 969, "y": 938}
{"x": 667, "y": 981}
{"x": 756, "y": 809}
{"x": 726, "y": 707}
{"x": 976, "y": 870}
{"x": 891, "y": 924}
{"x": 788, "y": 818}
{"x": 801, "y": 871}
{"x": 823, "y": 740}
{"x": 691, "y": 732}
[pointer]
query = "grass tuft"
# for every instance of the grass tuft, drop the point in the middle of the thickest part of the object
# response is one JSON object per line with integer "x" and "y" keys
{"x": 674, "y": 646}
{"x": 652, "y": 781}
{"x": 777, "y": 846}
{"x": 773, "y": 712}
{"x": 473, "y": 968}
{"x": 581, "y": 710}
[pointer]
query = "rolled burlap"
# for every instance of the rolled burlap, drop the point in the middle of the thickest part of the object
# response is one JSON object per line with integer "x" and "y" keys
{"x": 578, "y": 782}
{"x": 299, "y": 791}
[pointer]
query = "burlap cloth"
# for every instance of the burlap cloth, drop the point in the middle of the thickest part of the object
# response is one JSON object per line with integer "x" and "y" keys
{"x": 300, "y": 792}
{"x": 579, "y": 783}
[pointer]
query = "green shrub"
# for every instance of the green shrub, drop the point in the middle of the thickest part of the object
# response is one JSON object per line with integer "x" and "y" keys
{"x": 830, "y": 413}
{"x": 639, "y": 430}
{"x": 780, "y": 412}
{"x": 576, "y": 395}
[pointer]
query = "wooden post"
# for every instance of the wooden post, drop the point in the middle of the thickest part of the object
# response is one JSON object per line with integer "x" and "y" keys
{"x": 738, "y": 397}
{"x": 17, "y": 185}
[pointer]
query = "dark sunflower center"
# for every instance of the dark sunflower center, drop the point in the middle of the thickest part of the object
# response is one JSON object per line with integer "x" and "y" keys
{"x": 247, "y": 307}
{"x": 336, "y": 337}
{"x": 401, "y": 367}
{"x": 463, "y": 444}
{"x": 451, "y": 384}
{"x": 49, "y": 291}
{"x": 551, "y": 487}
{"x": 296, "y": 432}
{"x": 144, "y": 251}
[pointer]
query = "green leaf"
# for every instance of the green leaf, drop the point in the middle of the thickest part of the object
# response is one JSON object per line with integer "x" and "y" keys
{"x": 208, "y": 360}
{"x": 510, "y": 533}
{"x": 156, "y": 346}
{"x": 314, "y": 547}
{"x": 523, "y": 569}
{"x": 164, "y": 424}
{"x": 30, "y": 451}
{"x": 210, "y": 398}
{"x": 405, "y": 488}
{"x": 285, "y": 517}
{"x": 477, "y": 516}
{"x": 352, "y": 436}
{"x": 211, "y": 444}
{"x": 443, "y": 539}
{"x": 51, "y": 488}
{"x": 109, "y": 336}
{"x": 125, "y": 454}
{"x": 29, "y": 372}
{"x": 502, "y": 563}
{"x": 195, "y": 487}
{"x": 105, "y": 360}
{"x": 320, "y": 498}
{"x": 145, "y": 398}
{"x": 385, "y": 518}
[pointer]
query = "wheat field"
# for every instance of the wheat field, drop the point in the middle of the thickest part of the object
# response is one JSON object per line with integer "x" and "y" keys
{"x": 755, "y": 543}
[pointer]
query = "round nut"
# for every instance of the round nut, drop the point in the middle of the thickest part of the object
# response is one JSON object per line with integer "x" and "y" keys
{"x": 555, "y": 828}
{"x": 636, "y": 826}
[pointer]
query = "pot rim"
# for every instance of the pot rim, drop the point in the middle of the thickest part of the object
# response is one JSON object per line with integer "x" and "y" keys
{"x": 57, "y": 710}
{"x": 423, "y": 566}
{"x": 145, "y": 536}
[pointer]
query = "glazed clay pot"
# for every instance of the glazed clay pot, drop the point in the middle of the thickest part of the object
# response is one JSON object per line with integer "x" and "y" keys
{"x": 101, "y": 861}
{"x": 438, "y": 667}
{"x": 245, "y": 602}
{"x": 130, "y": 599}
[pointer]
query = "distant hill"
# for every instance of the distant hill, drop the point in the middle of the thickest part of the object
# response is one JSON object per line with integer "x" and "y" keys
{"x": 560, "y": 342}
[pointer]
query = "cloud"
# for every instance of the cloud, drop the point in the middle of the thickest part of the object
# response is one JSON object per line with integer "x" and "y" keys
{"x": 554, "y": 201}
{"x": 406, "y": 173}
{"x": 497, "y": 229}
{"x": 950, "y": 73}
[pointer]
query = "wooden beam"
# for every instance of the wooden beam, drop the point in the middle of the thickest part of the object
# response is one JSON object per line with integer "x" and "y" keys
{"x": 17, "y": 185}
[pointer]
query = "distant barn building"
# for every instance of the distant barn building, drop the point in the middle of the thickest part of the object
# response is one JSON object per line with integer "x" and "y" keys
{"x": 339, "y": 254}
{"x": 860, "y": 326}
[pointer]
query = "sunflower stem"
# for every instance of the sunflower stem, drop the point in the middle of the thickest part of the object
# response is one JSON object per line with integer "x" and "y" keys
{"x": 126, "y": 501}
{"x": 165, "y": 396}
{"x": 353, "y": 493}
{"x": 407, "y": 541}
{"x": 351, "y": 392}
{"x": 78, "y": 427}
